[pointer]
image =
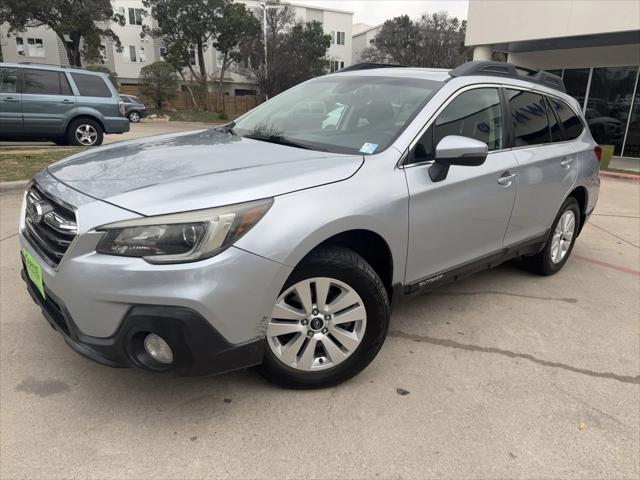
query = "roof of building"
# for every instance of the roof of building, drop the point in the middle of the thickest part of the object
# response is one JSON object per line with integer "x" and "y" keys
{"x": 317, "y": 7}
{"x": 362, "y": 32}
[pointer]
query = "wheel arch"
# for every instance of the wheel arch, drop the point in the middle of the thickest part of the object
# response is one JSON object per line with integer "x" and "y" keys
{"x": 581, "y": 195}
{"x": 87, "y": 116}
{"x": 369, "y": 245}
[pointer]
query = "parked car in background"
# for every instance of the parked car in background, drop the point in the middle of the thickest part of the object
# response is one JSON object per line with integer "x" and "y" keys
{"x": 135, "y": 109}
{"x": 283, "y": 239}
{"x": 70, "y": 106}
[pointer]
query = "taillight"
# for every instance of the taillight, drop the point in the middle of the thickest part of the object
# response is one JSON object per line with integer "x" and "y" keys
{"x": 123, "y": 109}
{"x": 598, "y": 152}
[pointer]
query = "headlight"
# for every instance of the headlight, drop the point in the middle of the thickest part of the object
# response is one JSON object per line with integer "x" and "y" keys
{"x": 181, "y": 237}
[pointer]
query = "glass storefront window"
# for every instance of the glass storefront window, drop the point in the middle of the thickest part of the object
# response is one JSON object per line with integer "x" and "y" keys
{"x": 632, "y": 144}
{"x": 575, "y": 81}
{"x": 608, "y": 105}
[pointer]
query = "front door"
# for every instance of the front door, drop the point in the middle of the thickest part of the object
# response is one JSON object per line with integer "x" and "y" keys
{"x": 10, "y": 101}
{"x": 47, "y": 101}
{"x": 464, "y": 217}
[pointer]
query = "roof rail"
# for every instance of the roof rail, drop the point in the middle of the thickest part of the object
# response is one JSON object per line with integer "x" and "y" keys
{"x": 502, "y": 69}
{"x": 50, "y": 65}
{"x": 369, "y": 66}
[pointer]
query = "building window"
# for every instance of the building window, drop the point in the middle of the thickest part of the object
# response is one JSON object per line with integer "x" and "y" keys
{"x": 132, "y": 53}
{"x": 103, "y": 53}
{"x": 372, "y": 41}
{"x": 246, "y": 62}
{"x": 135, "y": 16}
{"x": 163, "y": 52}
{"x": 142, "y": 55}
{"x": 34, "y": 47}
{"x": 192, "y": 56}
{"x": 575, "y": 81}
{"x": 334, "y": 65}
{"x": 341, "y": 65}
{"x": 608, "y": 106}
{"x": 219, "y": 59}
{"x": 340, "y": 38}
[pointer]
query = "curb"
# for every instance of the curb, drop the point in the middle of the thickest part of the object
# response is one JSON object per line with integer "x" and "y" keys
{"x": 6, "y": 187}
{"x": 621, "y": 176}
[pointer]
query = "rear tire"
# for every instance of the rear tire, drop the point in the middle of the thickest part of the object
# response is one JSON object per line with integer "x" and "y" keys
{"x": 559, "y": 243}
{"x": 85, "y": 132}
{"x": 337, "y": 282}
{"x": 134, "y": 117}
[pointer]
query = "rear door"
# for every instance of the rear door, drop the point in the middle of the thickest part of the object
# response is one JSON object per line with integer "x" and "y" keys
{"x": 547, "y": 165}
{"x": 47, "y": 101}
{"x": 10, "y": 101}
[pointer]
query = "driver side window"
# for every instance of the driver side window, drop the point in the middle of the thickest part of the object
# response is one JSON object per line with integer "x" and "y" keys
{"x": 474, "y": 114}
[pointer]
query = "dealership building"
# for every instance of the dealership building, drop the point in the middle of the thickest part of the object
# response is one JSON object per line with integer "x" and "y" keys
{"x": 593, "y": 45}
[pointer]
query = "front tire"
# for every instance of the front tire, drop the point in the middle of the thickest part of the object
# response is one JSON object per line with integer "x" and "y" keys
{"x": 85, "y": 132}
{"x": 329, "y": 322}
{"x": 560, "y": 242}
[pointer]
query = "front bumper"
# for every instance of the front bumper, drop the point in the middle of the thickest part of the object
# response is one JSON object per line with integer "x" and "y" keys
{"x": 198, "y": 349}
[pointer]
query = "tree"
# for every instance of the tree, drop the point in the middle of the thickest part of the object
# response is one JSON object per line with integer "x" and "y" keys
{"x": 76, "y": 22}
{"x": 236, "y": 24}
{"x": 159, "y": 81}
{"x": 191, "y": 22}
{"x": 435, "y": 40}
{"x": 288, "y": 43}
{"x": 178, "y": 56}
{"x": 101, "y": 68}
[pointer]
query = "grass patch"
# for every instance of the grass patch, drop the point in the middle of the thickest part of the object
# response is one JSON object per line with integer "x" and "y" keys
{"x": 189, "y": 116}
{"x": 24, "y": 163}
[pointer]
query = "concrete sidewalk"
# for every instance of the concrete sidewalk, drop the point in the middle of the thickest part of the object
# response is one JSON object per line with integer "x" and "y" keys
{"x": 509, "y": 375}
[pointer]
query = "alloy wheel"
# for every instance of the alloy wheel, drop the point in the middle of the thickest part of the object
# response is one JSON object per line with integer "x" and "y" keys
{"x": 134, "y": 117}
{"x": 86, "y": 134}
{"x": 316, "y": 324}
{"x": 562, "y": 236}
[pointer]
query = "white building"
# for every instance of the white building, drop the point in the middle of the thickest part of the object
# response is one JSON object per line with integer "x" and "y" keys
{"x": 363, "y": 37}
{"x": 594, "y": 46}
{"x": 42, "y": 45}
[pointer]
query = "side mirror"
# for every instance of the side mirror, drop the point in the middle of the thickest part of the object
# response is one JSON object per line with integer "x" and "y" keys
{"x": 457, "y": 150}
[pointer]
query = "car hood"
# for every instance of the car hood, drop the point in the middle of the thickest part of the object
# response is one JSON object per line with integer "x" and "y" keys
{"x": 193, "y": 170}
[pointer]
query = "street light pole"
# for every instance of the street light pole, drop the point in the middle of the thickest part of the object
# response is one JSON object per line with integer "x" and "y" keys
{"x": 264, "y": 33}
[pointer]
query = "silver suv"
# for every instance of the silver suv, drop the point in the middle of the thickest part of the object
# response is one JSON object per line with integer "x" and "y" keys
{"x": 285, "y": 238}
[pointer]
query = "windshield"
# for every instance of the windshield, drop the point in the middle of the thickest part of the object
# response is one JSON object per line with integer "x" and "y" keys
{"x": 339, "y": 113}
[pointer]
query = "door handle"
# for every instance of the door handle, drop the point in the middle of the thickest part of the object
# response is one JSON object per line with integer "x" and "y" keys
{"x": 66, "y": 100}
{"x": 10, "y": 99}
{"x": 566, "y": 162}
{"x": 506, "y": 179}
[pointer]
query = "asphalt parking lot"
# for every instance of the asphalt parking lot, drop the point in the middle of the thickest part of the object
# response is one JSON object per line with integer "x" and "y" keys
{"x": 508, "y": 376}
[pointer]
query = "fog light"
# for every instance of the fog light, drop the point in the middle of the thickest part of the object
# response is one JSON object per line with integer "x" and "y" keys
{"x": 158, "y": 349}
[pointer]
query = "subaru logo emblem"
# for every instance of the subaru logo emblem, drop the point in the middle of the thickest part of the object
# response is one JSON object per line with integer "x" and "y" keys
{"x": 35, "y": 212}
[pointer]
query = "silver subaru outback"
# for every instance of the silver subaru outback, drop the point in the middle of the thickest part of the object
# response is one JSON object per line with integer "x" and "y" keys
{"x": 284, "y": 239}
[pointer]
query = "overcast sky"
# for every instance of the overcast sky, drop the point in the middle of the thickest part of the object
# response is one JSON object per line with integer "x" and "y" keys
{"x": 374, "y": 12}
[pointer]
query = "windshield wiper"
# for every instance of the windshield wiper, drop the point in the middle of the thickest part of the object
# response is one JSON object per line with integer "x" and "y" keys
{"x": 280, "y": 140}
{"x": 227, "y": 128}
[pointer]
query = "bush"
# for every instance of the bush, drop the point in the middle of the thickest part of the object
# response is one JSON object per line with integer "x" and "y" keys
{"x": 159, "y": 82}
{"x": 101, "y": 68}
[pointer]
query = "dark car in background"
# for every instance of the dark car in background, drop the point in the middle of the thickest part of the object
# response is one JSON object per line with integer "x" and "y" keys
{"x": 70, "y": 106}
{"x": 135, "y": 109}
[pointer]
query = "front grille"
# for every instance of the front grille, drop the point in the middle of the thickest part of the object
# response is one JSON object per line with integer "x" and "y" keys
{"x": 49, "y": 226}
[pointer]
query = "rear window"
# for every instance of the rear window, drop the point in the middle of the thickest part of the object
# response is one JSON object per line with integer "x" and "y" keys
{"x": 529, "y": 116}
{"x": 91, "y": 85}
{"x": 571, "y": 124}
{"x": 44, "y": 82}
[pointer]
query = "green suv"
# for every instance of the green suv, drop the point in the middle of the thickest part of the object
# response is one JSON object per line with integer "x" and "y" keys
{"x": 70, "y": 106}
